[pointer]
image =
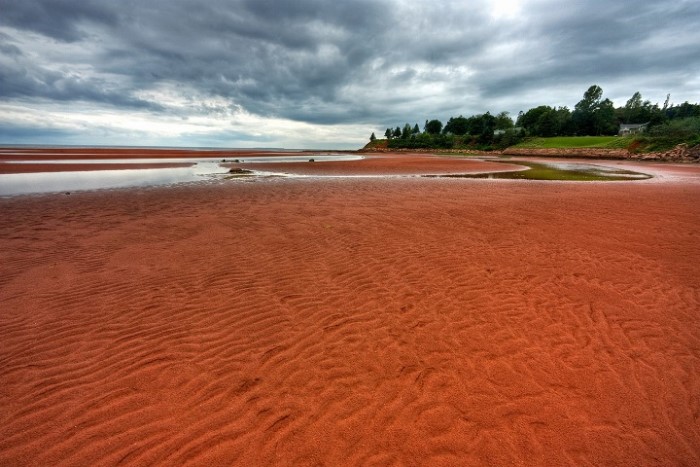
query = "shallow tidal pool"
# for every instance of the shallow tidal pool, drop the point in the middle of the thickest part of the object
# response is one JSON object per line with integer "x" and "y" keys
{"x": 558, "y": 171}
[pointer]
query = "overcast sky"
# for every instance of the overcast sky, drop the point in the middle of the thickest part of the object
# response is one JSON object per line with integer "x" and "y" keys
{"x": 322, "y": 73}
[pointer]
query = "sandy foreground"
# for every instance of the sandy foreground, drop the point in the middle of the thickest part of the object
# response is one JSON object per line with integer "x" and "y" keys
{"x": 345, "y": 321}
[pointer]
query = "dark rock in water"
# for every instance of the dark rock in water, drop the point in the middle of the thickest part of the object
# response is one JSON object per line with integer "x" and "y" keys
{"x": 311, "y": 160}
{"x": 67, "y": 192}
{"x": 236, "y": 161}
{"x": 223, "y": 160}
{"x": 238, "y": 170}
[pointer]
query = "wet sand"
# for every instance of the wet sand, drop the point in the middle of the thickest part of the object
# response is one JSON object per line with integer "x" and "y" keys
{"x": 353, "y": 322}
{"x": 382, "y": 164}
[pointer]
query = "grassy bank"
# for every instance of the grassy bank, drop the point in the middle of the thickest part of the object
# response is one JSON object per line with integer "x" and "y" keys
{"x": 576, "y": 142}
{"x": 656, "y": 141}
{"x": 559, "y": 142}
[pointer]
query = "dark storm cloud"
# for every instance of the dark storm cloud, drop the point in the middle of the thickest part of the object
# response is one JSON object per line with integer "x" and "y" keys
{"x": 364, "y": 61}
{"x": 36, "y": 82}
{"x": 600, "y": 41}
{"x": 59, "y": 19}
{"x": 272, "y": 58}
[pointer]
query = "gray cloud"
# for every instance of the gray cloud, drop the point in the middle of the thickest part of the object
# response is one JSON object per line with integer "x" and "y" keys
{"x": 58, "y": 19}
{"x": 602, "y": 42}
{"x": 352, "y": 62}
{"x": 30, "y": 81}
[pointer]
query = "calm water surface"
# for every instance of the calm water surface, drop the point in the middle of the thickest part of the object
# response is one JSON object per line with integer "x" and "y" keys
{"x": 202, "y": 169}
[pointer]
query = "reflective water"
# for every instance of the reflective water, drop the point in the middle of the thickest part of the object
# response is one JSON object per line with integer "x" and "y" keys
{"x": 201, "y": 170}
{"x": 51, "y": 182}
{"x": 563, "y": 171}
{"x": 232, "y": 158}
{"x": 315, "y": 157}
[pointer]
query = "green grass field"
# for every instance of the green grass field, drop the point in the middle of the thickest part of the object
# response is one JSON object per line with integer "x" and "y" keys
{"x": 568, "y": 142}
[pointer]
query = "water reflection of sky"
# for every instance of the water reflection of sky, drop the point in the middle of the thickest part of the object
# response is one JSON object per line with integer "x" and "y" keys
{"x": 168, "y": 160}
{"x": 51, "y": 182}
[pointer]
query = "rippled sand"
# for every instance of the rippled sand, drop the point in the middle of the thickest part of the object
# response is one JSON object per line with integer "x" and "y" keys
{"x": 353, "y": 322}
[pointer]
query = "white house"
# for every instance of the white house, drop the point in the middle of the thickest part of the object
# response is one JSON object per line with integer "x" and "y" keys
{"x": 632, "y": 128}
{"x": 516, "y": 129}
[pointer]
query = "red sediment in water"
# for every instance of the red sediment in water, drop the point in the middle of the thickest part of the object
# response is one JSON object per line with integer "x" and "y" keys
{"x": 351, "y": 322}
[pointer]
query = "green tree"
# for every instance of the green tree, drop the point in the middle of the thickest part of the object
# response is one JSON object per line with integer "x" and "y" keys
{"x": 416, "y": 130}
{"x": 547, "y": 124}
{"x": 433, "y": 127}
{"x": 388, "y": 133}
{"x": 583, "y": 117}
{"x": 372, "y": 137}
{"x": 488, "y": 125}
{"x": 563, "y": 121}
{"x": 638, "y": 111}
{"x": 397, "y": 132}
{"x": 503, "y": 121}
{"x": 632, "y": 108}
{"x": 546, "y": 121}
{"x": 529, "y": 120}
{"x": 456, "y": 126}
{"x": 605, "y": 122}
{"x": 684, "y": 110}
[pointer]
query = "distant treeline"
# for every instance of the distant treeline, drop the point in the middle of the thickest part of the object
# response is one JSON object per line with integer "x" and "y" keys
{"x": 592, "y": 116}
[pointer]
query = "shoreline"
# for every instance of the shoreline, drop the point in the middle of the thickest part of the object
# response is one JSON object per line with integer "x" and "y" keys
{"x": 680, "y": 153}
{"x": 98, "y": 169}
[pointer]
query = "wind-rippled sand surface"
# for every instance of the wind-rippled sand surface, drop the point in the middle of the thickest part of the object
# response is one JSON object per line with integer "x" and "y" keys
{"x": 352, "y": 322}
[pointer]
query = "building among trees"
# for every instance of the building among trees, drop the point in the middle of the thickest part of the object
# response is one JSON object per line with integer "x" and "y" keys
{"x": 632, "y": 128}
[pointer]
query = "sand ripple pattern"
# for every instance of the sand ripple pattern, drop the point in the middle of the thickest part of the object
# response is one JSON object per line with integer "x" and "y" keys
{"x": 403, "y": 323}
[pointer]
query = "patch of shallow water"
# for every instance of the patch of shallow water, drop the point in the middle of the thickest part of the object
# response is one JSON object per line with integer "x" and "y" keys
{"x": 305, "y": 158}
{"x": 196, "y": 160}
{"x": 50, "y": 182}
{"x": 558, "y": 171}
{"x": 201, "y": 169}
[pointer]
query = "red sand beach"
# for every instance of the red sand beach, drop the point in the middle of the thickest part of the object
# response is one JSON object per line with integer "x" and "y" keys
{"x": 405, "y": 321}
